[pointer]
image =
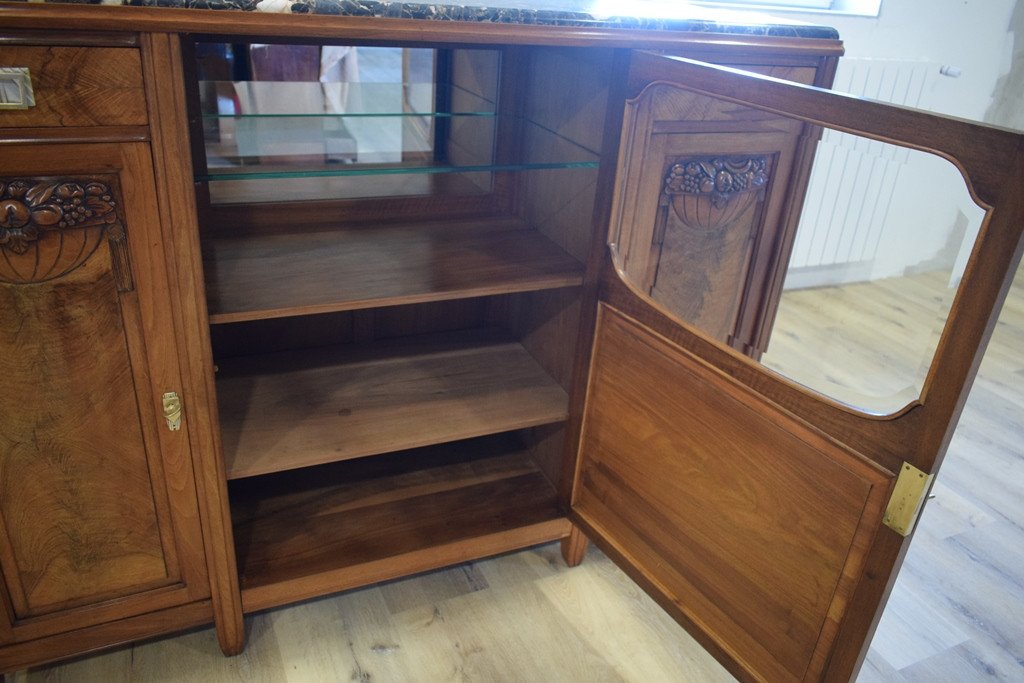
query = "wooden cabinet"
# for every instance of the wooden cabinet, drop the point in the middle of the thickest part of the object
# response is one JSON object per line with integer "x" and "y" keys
{"x": 100, "y": 516}
{"x": 403, "y": 357}
{"x": 102, "y": 538}
{"x": 393, "y": 385}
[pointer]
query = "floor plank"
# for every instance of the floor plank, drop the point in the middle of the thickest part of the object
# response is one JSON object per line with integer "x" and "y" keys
{"x": 965, "y": 565}
{"x": 519, "y": 617}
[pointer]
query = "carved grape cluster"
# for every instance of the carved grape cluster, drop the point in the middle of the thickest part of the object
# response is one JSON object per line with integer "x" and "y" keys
{"x": 28, "y": 208}
{"x": 719, "y": 178}
{"x": 691, "y": 178}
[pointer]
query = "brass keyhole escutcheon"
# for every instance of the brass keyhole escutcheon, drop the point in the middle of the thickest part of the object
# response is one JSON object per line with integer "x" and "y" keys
{"x": 172, "y": 410}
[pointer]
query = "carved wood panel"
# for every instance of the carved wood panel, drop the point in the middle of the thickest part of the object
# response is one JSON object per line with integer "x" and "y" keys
{"x": 710, "y": 210}
{"x": 51, "y": 226}
{"x": 702, "y": 210}
{"x": 82, "y": 516}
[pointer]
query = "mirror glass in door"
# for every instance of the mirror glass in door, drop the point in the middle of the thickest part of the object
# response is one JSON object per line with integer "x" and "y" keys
{"x": 847, "y": 295}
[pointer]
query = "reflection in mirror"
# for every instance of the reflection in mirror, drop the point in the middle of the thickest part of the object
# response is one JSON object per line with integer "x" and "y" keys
{"x": 333, "y": 121}
{"x": 316, "y": 104}
{"x": 704, "y": 227}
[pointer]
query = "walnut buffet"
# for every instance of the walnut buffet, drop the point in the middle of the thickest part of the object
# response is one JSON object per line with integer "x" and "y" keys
{"x": 231, "y": 385}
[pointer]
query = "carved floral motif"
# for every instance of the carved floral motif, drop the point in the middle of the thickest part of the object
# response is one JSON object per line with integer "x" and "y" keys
{"x": 29, "y": 208}
{"x": 719, "y": 178}
{"x": 50, "y": 226}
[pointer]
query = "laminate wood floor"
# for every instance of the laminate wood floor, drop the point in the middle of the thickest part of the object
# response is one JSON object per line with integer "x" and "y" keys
{"x": 521, "y": 617}
{"x": 956, "y": 614}
{"x": 957, "y": 611}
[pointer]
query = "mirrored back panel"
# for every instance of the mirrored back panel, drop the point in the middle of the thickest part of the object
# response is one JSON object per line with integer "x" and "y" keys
{"x": 311, "y": 122}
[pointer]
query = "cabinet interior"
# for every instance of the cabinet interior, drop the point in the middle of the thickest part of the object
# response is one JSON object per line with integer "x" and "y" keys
{"x": 394, "y": 322}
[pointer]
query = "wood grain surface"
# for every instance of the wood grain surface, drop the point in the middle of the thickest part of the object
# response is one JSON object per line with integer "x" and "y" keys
{"x": 73, "y": 463}
{"x": 78, "y": 86}
{"x": 755, "y": 526}
{"x": 336, "y": 526}
{"x": 249, "y": 278}
{"x": 288, "y": 410}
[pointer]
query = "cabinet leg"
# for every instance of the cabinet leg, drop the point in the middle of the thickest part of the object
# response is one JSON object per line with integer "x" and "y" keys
{"x": 231, "y": 644}
{"x": 230, "y": 632}
{"x": 574, "y": 547}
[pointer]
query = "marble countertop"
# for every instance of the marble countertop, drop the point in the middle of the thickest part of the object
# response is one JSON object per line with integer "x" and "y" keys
{"x": 673, "y": 15}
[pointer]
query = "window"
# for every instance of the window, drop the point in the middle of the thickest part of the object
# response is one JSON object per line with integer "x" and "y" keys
{"x": 868, "y": 8}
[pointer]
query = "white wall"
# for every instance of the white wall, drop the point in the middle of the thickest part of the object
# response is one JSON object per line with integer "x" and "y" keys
{"x": 972, "y": 35}
{"x": 923, "y": 224}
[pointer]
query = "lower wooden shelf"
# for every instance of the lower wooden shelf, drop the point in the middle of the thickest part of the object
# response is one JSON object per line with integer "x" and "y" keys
{"x": 296, "y": 409}
{"x": 310, "y": 532}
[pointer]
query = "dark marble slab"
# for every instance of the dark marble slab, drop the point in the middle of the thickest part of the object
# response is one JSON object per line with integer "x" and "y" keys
{"x": 582, "y": 13}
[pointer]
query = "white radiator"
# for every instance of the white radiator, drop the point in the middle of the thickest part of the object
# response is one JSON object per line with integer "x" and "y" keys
{"x": 853, "y": 179}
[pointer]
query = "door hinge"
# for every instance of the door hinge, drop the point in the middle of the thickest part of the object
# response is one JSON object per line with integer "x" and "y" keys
{"x": 908, "y": 496}
{"x": 172, "y": 410}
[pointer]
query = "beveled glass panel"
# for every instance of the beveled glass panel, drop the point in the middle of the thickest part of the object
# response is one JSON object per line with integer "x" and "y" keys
{"x": 851, "y": 299}
{"x": 881, "y": 246}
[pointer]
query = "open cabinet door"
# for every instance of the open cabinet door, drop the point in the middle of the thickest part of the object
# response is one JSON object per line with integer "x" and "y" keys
{"x": 769, "y": 518}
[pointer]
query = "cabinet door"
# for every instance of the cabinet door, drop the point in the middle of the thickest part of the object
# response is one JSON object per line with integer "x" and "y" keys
{"x": 713, "y": 260}
{"x": 98, "y": 511}
{"x": 766, "y": 517}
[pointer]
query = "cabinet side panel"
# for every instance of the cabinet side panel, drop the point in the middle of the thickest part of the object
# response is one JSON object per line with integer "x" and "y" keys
{"x": 80, "y": 521}
{"x": 565, "y": 92}
{"x": 751, "y": 528}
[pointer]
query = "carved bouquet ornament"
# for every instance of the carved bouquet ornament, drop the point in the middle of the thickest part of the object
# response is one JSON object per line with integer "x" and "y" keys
{"x": 729, "y": 184}
{"x": 49, "y": 227}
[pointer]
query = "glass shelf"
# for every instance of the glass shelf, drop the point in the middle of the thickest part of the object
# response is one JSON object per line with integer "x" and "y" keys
{"x": 347, "y": 115}
{"x": 468, "y": 148}
{"x": 394, "y": 170}
{"x": 265, "y": 99}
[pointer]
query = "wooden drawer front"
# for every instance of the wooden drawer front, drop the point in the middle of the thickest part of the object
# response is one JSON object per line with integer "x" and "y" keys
{"x": 78, "y": 86}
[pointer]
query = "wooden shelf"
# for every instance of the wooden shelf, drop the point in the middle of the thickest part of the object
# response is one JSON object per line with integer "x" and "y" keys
{"x": 283, "y": 411}
{"x": 310, "y": 532}
{"x": 444, "y": 188}
{"x": 270, "y": 276}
